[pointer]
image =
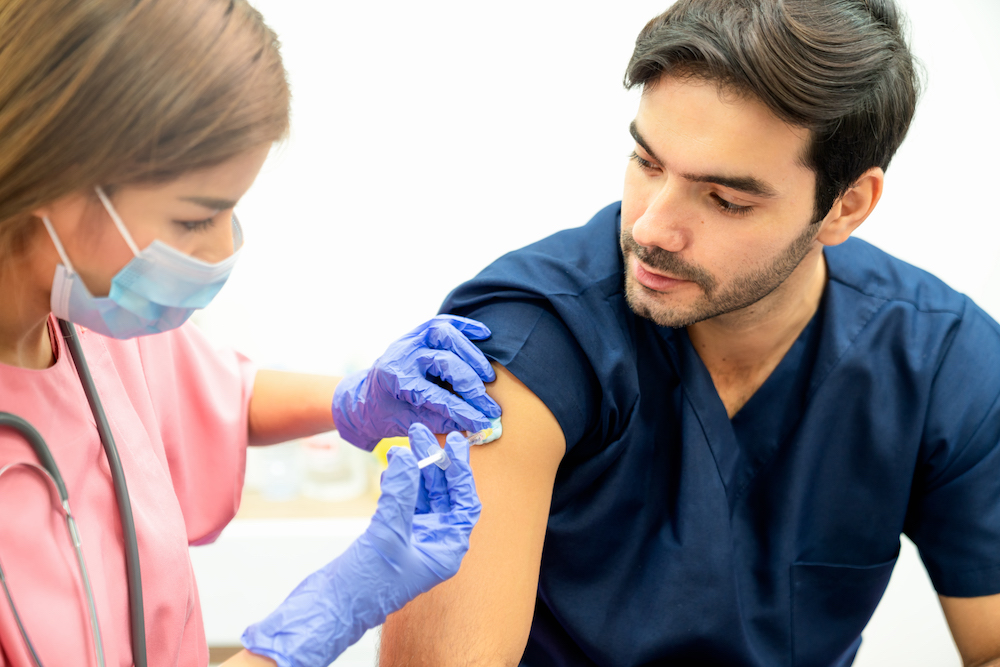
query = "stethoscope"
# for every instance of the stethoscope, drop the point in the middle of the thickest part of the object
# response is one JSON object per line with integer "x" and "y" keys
{"x": 50, "y": 471}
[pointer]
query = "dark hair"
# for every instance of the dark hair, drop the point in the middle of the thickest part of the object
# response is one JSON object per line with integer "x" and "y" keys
{"x": 840, "y": 68}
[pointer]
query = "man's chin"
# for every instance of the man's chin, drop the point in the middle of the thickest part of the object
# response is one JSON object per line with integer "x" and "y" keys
{"x": 649, "y": 305}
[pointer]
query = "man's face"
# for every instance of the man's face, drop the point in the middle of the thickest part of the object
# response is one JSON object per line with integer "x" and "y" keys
{"x": 717, "y": 208}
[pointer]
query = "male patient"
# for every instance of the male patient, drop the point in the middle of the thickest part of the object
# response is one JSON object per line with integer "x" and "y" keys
{"x": 720, "y": 411}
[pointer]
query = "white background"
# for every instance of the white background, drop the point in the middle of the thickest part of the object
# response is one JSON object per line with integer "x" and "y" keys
{"x": 429, "y": 138}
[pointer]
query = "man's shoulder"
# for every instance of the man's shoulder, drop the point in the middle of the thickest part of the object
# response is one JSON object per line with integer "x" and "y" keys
{"x": 567, "y": 263}
{"x": 925, "y": 310}
{"x": 559, "y": 321}
{"x": 870, "y": 271}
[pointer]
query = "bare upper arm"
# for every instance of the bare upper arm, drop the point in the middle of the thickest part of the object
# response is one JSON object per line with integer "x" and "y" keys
{"x": 975, "y": 625}
{"x": 483, "y": 614}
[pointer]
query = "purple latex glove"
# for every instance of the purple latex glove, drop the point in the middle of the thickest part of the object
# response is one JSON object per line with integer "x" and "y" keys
{"x": 416, "y": 540}
{"x": 394, "y": 393}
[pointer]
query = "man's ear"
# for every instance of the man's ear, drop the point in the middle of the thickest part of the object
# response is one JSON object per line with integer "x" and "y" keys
{"x": 853, "y": 207}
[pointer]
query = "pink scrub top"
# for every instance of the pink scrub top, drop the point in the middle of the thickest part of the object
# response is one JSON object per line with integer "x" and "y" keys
{"x": 178, "y": 411}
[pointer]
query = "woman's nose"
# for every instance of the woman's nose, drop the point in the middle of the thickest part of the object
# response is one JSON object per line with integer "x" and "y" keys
{"x": 224, "y": 239}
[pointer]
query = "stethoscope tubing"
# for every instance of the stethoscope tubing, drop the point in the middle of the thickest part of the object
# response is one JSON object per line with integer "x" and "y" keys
{"x": 51, "y": 470}
{"x": 26, "y": 429}
{"x": 138, "y": 624}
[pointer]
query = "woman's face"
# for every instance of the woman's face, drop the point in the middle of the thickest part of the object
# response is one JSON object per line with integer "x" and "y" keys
{"x": 192, "y": 214}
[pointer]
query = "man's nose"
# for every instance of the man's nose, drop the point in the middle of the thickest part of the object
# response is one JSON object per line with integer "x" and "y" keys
{"x": 665, "y": 223}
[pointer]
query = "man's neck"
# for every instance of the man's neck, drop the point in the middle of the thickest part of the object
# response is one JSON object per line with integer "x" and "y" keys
{"x": 741, "y": 349}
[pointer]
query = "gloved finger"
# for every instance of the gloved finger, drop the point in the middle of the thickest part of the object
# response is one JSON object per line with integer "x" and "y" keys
{"x": 405, "y": 379}
{"x": 349, "y": 414}
{"x": 399, "y": 485}
{"x": 461, "y": 484}
{"x": 434, "y": 488}
{"x": 473, "y": 329}
{"x": 422, "y": 440}
{"x": 423, "y": 505}
{"x": 441, "y": 335}
{"x": 437, "y": 490}
{"x": 448, "y": 366}
{"x": 469, "y": 328}
{"x": 432, "y": 420}
{"x": 427, "y": 397}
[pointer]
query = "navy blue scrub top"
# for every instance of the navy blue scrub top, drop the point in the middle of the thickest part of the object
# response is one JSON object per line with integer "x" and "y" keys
{"x": 678, "y": 536}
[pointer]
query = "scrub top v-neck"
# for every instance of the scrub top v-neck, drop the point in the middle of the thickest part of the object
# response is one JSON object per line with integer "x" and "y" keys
{"x": 767, "y": 419}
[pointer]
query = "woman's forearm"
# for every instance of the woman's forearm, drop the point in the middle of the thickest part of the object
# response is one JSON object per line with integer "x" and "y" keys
{"x": 286, "y": 406}
{"x": 247, "y": 659}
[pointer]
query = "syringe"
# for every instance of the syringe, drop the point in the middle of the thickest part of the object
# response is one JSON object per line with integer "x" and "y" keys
{"x": 440, "y": 458}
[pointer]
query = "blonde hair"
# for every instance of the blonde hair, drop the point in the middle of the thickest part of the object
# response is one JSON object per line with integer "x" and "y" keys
{"x": 112, "y": 92}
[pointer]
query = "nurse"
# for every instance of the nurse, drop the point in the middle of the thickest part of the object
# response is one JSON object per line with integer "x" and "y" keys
{"x": 129, "y": 130}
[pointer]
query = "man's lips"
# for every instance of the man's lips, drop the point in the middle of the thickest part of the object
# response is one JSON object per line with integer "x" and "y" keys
{"x": 654, "y": 281}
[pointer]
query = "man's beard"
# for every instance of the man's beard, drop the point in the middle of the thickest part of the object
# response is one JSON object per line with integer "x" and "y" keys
{"x": 744, "y": 290}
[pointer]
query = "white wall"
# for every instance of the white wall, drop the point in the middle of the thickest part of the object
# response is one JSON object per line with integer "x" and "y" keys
{"x": 428, "y": 138}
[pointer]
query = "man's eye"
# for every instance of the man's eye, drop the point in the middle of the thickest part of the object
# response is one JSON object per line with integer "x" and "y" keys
{"x": 729, "y": 207}
{"x": 195, "y": 225}
{"x": 645, "y": 164}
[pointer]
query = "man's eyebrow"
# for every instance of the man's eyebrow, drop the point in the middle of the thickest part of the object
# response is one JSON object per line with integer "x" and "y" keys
{"x": 211, "y": 202}
{"x": 748, "y": 184}
{"x": 634, "y": 131}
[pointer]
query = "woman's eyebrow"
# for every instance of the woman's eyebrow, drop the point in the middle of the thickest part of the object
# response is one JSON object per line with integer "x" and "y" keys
{"x": 211, "y": 202}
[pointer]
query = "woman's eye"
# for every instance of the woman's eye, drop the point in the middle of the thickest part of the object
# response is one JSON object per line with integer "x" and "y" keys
{"x": 645, "y": 164}
{"x": 195, "y": 225}
{"x": 729, "y": 207}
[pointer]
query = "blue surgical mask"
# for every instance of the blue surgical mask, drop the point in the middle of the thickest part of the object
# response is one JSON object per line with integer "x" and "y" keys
{"x": 156, "y": 291}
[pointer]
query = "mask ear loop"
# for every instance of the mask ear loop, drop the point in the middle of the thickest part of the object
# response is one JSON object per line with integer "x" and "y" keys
{"x": 58, "y": 244}
{"x": 117, "y": 220}
{"x": 237, "y": 233}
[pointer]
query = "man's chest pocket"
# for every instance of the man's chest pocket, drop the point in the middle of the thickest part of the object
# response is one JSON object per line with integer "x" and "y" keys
{"x": 831, "y": 604}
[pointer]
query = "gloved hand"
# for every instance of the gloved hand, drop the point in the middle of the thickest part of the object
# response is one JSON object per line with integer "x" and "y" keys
{"x": 416, "y": 540}
{"x": 385, "y": 399}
